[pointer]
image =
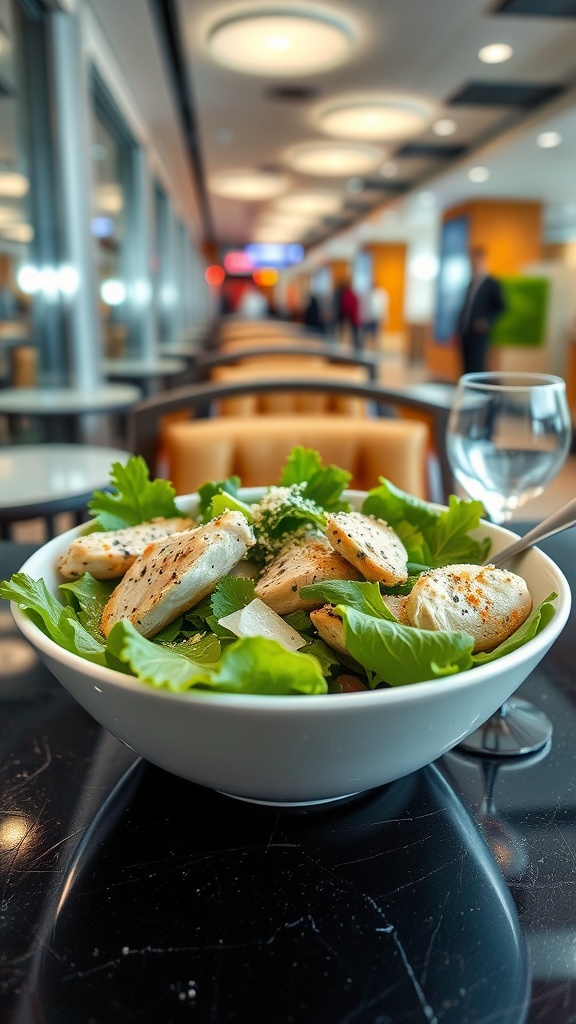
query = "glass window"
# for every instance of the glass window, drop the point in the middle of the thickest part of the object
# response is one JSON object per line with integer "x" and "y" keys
{"x": 17, "y": 277}
{"x": 111, "y": 155}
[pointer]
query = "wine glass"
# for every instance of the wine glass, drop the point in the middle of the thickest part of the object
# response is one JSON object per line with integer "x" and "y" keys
{"x": 508, "y": 435}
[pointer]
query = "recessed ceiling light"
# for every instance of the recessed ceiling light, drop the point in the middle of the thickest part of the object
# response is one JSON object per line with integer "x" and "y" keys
{"x": 281, "y": 41}
{"x": 317, "y": 203}
{"x": 495, "y": 53}
{"x": 374, "y": 119}
{"x": 327, "y": 158}
{"x": 548, "y": 140}
{"x": 389, "y": 169}
{"x": 478, "y": 174}
{"x": 444, "y": 126}
{"x": 252, "y": 186}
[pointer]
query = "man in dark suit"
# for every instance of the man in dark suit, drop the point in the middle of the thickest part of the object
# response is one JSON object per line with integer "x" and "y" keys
{"x": 483, "y": 304}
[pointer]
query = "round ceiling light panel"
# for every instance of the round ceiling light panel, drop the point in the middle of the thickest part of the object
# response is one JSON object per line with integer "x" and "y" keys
{"x": 334, "y": 160}
{"x": 380, "y": 120}
{"x": 315, "y": 203}
{"x": 250, "y": 186}
{"x": 281, "y": 41}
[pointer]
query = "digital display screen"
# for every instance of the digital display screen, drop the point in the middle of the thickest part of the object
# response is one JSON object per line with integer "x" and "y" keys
{"x": 274, "y": 254}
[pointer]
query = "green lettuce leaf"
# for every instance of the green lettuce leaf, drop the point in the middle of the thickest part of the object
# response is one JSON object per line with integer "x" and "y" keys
{"x": 135, "y": 498}
{"x": 211, "y": 488}
{"x": 257, "y": 665}
{"x": 252, "y": 665}
{"x": 399, "y": 655}
{"x": 431, "y": 537}
{"x": 533, "y": 625}
{"x": 364, "y": 597}
{"x": 59, "y": 623}
{"x": 88, "y": 597}
{"x": 152, "y": 663}
{"x": 323, "y": 484}
{"x": 231, "y": 594}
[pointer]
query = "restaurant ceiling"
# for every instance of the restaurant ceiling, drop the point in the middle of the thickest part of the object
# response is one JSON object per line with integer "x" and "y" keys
{"x": 420, "y": 53}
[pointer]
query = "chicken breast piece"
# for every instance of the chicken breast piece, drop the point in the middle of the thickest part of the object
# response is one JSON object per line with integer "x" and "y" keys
{"x": 486, "y": 602}
{"x": 330, "y": 627}
{"x": 397, "y": 603}
{"x": 296, "y": 566}
{"x": 370, "y": 545}
{"x": 172, "y": 575}
{"x": 110, "y": 554}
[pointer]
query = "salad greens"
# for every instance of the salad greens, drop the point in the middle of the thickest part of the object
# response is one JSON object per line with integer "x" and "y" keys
{"x": 196, "y": 651}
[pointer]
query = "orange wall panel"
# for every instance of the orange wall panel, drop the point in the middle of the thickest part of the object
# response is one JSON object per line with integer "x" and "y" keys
{"x": 389, "y": 273}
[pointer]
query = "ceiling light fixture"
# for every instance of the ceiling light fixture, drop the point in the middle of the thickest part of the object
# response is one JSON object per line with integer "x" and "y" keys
{"x": 334, "y": 160}
{"x": 317, "y": 203}
{"x": 376, "y": 119}
{"x": 495, "y": 53}
{"x": 478, "y": 174}
{"x": 281, "y": 41}
{"x": 444, "y": 126}
{"x": 250, "y": 186}
{"x": 548, "y": 140}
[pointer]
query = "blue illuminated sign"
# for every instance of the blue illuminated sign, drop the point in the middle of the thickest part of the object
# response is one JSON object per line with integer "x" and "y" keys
{"x": 274, "y": 254}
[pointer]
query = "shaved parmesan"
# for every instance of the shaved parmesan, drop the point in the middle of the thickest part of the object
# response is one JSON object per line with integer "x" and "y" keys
{"x": 257, "y": 619}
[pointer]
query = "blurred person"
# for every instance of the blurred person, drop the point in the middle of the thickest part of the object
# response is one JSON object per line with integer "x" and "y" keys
{"x": 313, "y": 317}
{"x": 374, "y": 306}
{"x": 348, "y": 313}
{"x": 483, "y": 304}
{"x": 253, "y": 304}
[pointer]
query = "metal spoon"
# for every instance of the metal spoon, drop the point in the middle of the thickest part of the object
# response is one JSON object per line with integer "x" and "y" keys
{"x": 561, "y": 519}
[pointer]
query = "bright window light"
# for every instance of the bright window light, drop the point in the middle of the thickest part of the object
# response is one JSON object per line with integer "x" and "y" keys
{"x": 28, "y": 278}
{"x": 113, "y": 292}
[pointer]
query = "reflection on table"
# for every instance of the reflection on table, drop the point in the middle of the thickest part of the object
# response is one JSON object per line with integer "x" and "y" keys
{"x": 170, "y": 902}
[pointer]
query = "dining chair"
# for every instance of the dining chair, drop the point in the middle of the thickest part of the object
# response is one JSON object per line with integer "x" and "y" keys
{"x": 158, "y": 426}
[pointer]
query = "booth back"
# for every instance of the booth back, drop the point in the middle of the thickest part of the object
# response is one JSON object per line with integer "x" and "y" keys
{"x": 256, "y": 448}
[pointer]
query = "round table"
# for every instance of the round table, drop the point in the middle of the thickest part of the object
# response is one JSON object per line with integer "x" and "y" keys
{"x": 40, "y": 480}
{"x": 63, "y": 408}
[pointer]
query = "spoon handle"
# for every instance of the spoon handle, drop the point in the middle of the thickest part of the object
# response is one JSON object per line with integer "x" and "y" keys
{"x": 561, "y": 519}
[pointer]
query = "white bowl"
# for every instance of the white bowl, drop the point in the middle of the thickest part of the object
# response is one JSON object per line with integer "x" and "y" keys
{"x": 302, "y": 748}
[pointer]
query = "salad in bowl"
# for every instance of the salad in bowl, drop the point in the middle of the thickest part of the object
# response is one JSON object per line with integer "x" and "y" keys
{"x": 289, "y": 643}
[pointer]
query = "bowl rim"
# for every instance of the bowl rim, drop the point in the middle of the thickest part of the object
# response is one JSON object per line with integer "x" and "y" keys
{"x": 297, "y": 702}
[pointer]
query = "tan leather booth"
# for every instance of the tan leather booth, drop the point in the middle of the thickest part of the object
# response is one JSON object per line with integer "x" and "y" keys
{"x": 255, "y": 448}
{"x": 279, "y": 403}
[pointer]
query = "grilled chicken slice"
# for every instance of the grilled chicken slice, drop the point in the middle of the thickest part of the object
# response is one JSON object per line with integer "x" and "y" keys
{"x": 297, "y": 565}
{"x": 330, "y": 627}
{"x": 486, "y": 602}
{"x": 397, "y": 603}
{"x": 172, "y": 575}
{"x": 370, "y": 545}
{"x": 110, "y": 554}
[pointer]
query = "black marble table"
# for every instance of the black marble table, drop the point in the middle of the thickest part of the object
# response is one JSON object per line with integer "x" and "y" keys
{"x": 128, "y": 896}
